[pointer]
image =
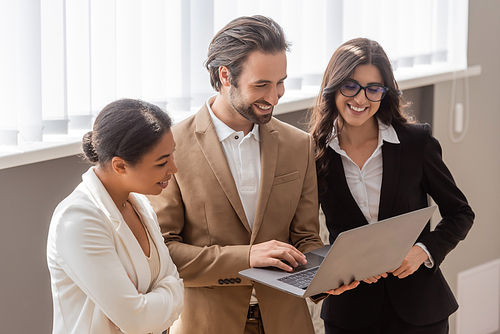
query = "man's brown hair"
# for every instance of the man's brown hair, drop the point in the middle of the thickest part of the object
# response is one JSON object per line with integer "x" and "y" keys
{"x": 231, "y": 46}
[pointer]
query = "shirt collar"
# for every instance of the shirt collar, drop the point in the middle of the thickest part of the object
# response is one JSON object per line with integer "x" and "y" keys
{"x": 223, "y": 131}
{"x": 385, "y": 133}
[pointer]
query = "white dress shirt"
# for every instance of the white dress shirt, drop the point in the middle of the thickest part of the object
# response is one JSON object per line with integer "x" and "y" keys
{"x": 365, "y": 184}
{"x": 243, "y": 157}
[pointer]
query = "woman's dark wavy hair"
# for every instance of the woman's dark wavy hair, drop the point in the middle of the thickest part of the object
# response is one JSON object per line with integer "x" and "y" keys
{"x": 231, "y": 46}
{"x": 127, "y": 129}
{"x": 359, "y": 51}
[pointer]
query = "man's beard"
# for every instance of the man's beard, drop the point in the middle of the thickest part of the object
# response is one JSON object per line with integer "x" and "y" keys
{"x": 246, "y": 110}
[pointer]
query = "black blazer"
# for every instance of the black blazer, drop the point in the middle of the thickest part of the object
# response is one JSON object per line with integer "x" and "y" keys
{"x": 412, "y": 170}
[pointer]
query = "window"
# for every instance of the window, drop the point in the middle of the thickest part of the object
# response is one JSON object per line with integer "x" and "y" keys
{"x": 63, "y": 61}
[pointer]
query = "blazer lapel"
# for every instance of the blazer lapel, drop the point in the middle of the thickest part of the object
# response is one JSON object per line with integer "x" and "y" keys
{"x": 212, "y": 150}
{"x": 134, "y": 250}
{"x": 136, "y": 255}
{"x": 391, "y": 155}
{"x": 338, "y": 184}
{"x": 269, "y": 160}
{"x": 143, "y": 209}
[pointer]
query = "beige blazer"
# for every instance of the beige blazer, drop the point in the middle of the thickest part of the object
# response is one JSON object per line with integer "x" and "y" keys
{"x": 97, "y": 267}
{"x": 206, "y": 230}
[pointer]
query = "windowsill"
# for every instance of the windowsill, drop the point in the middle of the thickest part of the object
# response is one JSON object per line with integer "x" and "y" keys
{"x": 59, "y": 146}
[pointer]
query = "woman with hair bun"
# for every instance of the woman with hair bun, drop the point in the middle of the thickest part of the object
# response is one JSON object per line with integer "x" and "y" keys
{"x": 373, "y": 164}
{"x": 110, "y": 269}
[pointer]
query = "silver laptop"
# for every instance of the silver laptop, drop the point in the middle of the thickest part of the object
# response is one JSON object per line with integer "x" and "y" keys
{"x": 356, "y": 254}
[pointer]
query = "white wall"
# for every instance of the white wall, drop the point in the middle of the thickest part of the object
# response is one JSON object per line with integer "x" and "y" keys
{"x": 475, "y": 162}
{"x": 28, "y": 196}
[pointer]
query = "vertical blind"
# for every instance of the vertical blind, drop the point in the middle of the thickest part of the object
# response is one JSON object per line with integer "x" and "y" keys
{"x": 62, "y": 61}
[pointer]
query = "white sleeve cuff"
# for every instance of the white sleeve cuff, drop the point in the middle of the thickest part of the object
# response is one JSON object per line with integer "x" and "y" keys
{"x": 429, "y": 263}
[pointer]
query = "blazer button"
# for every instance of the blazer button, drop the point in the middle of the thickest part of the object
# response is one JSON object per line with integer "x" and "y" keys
{"x": 231, "y": 280}
{"x": 226, "y": 281}
{"x": 221, "y": 281}
{"x": 237, "y": 280}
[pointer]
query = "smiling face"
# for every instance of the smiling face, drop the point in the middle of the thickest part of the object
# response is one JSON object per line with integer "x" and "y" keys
{"x": 150, "y": 176}
{"x": 356, "y": 111}
{"x": 259, "y": 87}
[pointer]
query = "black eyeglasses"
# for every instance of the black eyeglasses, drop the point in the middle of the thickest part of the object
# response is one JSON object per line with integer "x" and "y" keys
{"x": 373, "y": 92}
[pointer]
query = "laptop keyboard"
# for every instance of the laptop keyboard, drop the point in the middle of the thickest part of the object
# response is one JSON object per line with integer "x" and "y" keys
{"x": 300, "y": 280}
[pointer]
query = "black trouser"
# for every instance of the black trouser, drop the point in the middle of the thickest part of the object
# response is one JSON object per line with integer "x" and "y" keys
{"x": 390, "y": 323}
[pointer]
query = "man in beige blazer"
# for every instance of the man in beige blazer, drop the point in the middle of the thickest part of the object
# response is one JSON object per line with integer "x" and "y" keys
{"x": 245, "y": 194}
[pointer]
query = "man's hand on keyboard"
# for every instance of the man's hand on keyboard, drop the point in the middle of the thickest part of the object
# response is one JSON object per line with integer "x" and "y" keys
{"x": 271, "y": 253}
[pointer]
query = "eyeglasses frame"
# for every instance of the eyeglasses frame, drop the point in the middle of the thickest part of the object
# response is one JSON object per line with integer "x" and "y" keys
{"x": 364, "y": 88}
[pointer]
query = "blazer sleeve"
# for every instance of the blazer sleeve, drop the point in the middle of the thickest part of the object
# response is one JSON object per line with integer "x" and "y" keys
{"x": 304, "y": 228}
{"x": 198, "y": 265}
{"x": 457, "y": 215}
{"x": 86, "y": 251}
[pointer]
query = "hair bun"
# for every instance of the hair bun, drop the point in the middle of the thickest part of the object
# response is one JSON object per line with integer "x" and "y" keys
{"x": 88, "y": 148}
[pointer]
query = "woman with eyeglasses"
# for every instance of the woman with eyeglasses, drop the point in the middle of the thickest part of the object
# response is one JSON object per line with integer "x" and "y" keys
{"x": 373, "y": 163}
{"x": 109, "y": 267}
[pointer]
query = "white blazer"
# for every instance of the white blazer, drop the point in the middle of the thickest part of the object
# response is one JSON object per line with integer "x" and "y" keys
{"x": 99, "y": 273}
